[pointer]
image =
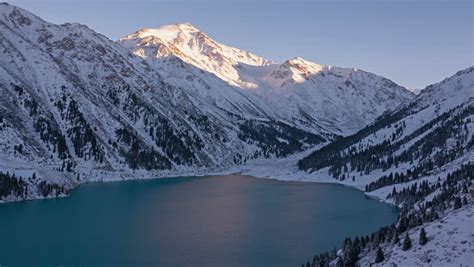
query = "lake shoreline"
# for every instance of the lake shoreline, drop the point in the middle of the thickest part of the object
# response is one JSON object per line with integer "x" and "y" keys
{"x": 171, "y": 175}
{"x": 250, "y": 216}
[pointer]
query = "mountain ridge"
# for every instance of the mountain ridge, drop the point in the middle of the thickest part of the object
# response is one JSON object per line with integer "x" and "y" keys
{"x": 291, "y": 90}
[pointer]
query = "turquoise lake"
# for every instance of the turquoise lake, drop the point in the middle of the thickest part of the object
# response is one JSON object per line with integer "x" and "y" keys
{"x": 227, "y": 220}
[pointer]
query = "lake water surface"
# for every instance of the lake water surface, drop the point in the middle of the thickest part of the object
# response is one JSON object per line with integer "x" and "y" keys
{"x": 228, "y": 220}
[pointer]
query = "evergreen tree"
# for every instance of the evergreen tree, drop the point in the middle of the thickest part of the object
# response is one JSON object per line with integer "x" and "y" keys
{"x": 464, "y": 201}
{"x": 423, "y": 239}
{"x": 379, "y": 257}
{"x": 406, "y": 242}
{"x": 457, "y": 203}
{"x": 350, "y": 255}
{"x": 396, "y": 239}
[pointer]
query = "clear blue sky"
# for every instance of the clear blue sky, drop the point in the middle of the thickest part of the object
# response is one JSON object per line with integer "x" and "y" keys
{"x": 414, "y": 43}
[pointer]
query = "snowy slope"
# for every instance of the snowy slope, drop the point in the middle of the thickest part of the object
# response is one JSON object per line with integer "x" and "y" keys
{"x": 322, "y": 99}
{"x": 437, "y": 105}
{"x": 450, "y": 243}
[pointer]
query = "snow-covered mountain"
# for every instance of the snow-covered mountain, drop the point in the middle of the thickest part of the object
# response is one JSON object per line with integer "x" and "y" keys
{"x": 194, "y": 47}
{"x": 79, "y": 107}
{"x": 416, "y": 91}
{"x": 408, "y": 130}
{"x": 419, "y": 157}
{"x": 322, "y": 99}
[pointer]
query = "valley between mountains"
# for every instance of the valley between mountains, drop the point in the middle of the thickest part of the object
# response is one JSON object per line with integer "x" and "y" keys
{"x": 76, "y": 107}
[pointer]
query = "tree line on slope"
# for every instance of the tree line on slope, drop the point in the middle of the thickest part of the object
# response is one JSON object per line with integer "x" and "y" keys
{"x": 276, "y": 138}
{"x": 343, "y": 157}
{"x": 10, "y": 185}
{"x": 17, "y": 187}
